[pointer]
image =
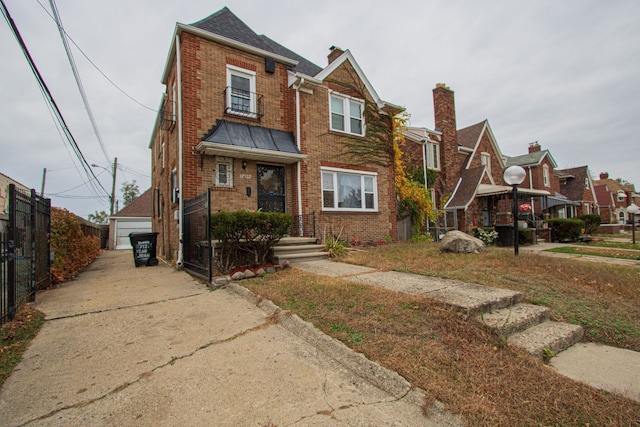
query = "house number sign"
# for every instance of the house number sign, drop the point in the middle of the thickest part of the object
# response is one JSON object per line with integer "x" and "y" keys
{"x": 245, "y": 175}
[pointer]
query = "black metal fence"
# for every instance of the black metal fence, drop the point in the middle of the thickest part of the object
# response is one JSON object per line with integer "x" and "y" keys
{"x": 197, "y": 236}
{"x": 24, "y": 251}
{"x": 304, "y": 226}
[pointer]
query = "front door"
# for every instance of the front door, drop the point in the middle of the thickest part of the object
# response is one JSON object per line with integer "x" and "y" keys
{"x": 271, "y": 188}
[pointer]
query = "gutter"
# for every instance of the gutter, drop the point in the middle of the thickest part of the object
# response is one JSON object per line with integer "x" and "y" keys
{"x": 298, "y": 166}
{"x": 180, "y": 149}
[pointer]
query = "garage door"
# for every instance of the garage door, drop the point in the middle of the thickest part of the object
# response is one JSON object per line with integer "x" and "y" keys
{"x": 124, "y": 227}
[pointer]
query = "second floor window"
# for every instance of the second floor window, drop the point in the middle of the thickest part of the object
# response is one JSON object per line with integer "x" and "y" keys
{"x": 241, "y": 87}
{"x": 347, "y": 114}
{"x": 545, "y": 175}
{"x": 485, "y": 159}
{"x": 432, "y": 155}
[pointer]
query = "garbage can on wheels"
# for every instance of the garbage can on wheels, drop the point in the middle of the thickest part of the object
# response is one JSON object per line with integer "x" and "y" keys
{"x": 144, "y": 248}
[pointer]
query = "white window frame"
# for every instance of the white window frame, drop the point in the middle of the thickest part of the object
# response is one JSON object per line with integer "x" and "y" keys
{"x": 347, "y": 101}
{"x": 545, "y": 176}
{"x": 251, "y": 76}
{"x": 334, "y": 172}
{"x": 432, "y": 155}
{"x": 485, "y": 160}
{"x": 228, "y": 163}
{"x": 163, "y": 155}
{"x": 586, "y": 183}
{"x": 587, "y": 211}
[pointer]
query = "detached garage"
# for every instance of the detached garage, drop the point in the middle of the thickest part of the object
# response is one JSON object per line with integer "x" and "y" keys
{"x": 135, "y": 217}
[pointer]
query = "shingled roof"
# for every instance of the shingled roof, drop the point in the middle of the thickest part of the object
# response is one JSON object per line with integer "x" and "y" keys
{"x": 466, "y": 189}
{"x": 468, "y": 137}
{"x": 140, "y": 207}
{"x": 573, "y": 187}
{"x": 531, "y": 159}
{"x": 224, "y": 23}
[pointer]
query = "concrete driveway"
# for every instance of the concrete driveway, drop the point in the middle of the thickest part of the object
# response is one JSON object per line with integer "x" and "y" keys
{"x": 151, "y": 346}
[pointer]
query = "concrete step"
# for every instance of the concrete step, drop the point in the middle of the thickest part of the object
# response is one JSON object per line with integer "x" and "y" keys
{"x": 284, "y": 250}
{"x": 290, "y": 241}
{"x": 517, "y": 318}
{"x": 554, "y": 336}
{"x": 294, "y": 257}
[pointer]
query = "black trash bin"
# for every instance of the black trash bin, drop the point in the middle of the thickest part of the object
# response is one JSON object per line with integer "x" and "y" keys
{"x": 144, "y": 248}
{"x": 505, "y": 235}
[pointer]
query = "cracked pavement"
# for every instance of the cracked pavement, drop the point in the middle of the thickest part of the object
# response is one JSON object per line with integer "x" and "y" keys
{"x": 152, "y": 346}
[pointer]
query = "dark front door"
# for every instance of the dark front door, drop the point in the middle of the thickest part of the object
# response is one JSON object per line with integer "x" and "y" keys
{"x": 271, "y": 188}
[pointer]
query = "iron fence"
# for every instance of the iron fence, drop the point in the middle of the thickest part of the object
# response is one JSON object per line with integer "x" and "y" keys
{"x": 197, "y": 236}
{"x": 304, "y": 226}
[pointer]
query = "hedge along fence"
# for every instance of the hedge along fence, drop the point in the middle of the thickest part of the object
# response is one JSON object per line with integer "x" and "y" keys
{"x": 569, "y": 229}
{"x": 73, "y": 249}
{"x": 591, "y": 223}
{"x": 243, "y": 233}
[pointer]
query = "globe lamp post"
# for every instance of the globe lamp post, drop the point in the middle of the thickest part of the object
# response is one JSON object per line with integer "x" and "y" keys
{"x": 514, "y": 176}
{"x": 633, "y": 210}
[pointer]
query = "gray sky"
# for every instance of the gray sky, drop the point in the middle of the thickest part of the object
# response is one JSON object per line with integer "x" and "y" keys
{"x": 563, "y": 73}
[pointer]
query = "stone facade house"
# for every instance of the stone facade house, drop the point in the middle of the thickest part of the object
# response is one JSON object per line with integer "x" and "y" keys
{"x": 263, "y": 128}
{"x": 469, "y": 186}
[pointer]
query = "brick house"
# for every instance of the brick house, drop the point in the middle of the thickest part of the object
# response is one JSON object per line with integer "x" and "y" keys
{"x": 470, "y": 166}
{"x": 264, "y": 128}
{"x": 613, "y": 199}
{"x": 576, "y": 184}
{"x": 541, "y": 174}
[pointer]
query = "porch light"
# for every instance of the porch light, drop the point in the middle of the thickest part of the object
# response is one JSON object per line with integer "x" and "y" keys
{"x": 633, "y": 210}
{"x": 514, "y": 176}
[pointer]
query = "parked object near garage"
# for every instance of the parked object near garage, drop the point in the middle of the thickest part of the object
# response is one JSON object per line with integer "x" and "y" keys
{"x": 144, "y": 248}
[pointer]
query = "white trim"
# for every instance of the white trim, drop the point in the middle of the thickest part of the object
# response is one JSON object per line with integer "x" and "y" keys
{"x": 362, "y": 175}
{"x": 352, "y": 171}
{"x": 346, "y": 112}
{"x": 213, "y": 149}
{"x": 492, "y": 141}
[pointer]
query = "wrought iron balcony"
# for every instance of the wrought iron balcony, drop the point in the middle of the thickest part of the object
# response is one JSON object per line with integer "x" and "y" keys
{"x": 242, "y": 103}
{"x": 168, "y": 115}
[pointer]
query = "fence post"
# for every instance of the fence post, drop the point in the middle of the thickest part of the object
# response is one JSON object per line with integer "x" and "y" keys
{"x": 32, "y": 279}
{"x": 11, "y": 255}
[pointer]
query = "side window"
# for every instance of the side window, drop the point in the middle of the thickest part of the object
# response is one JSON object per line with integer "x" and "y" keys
{"x": 545, "y": 175}
{"x": 223, "y": 172}
{"x": 485, "y": 159}
{"x": 349, "y": 190}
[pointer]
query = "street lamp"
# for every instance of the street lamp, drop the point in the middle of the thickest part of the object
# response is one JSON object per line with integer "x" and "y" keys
{"x": 514, "y": 175}
{"x": 633, "y": 210}
{"x": 113, "y": 183}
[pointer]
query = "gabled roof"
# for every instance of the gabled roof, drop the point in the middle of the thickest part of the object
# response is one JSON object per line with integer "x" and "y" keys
{"x": 574, "y": 188}
{"x": 466, "y": 188}
{"x": 347, "y": 56}
{"x": 226, "y": 28}
{"x": 603, "y": 195}
{"x": 140, "y": 207}
{"x": 471, "y": 136}
{"x": 531, "y": 159}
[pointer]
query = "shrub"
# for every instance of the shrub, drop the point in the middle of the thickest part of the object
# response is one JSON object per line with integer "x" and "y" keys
{"x": 73, "y": 250}
{"x": 565, "y": 229}
{"x": 525, "y": 236}
{"x": 248, "y": 232}
{"x": 591, "y": 223}
{"x": 487, "y": 234}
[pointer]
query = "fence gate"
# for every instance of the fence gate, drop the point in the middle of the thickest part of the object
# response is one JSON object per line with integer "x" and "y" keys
{"x": 196, "y": 238}
{"x": 24, "y": 251}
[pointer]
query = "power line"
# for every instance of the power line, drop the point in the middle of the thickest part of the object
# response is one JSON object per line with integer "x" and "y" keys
{"x": 49, "y": 98}
{"x": 76, "y": 76}
{"x": 96, "y": 67}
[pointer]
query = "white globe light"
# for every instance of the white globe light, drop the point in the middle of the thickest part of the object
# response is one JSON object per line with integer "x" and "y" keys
{"x": 514, "y": 175}
{"x": 633, "y": 209}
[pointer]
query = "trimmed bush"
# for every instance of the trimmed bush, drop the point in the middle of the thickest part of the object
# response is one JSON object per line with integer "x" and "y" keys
{"x": 565, "y": 230}
{"x": 243, "y": 233}
{"x": 525, "y": 236}
{"x": 73, "y": 249}
{"x": 591, "y": 223}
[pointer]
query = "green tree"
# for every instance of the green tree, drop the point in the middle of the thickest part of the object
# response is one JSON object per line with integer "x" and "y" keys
{"x": 129, "y": 192}
{"x": 100, "y": 218}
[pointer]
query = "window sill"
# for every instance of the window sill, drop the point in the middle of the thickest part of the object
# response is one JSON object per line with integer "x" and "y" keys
{"x": 345, "y": 133}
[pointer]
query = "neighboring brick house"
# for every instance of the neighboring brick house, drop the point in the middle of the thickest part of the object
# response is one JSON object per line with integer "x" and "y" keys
{"x": 613, "y": 199}
{"x": 469, "y": 167}
{"x": 135, "y": 217}
{"x": 576, "y": 184}
{"x": 541, "y": 174}
{"x": 264, "y": 128}
{"x": 4, "y": 198}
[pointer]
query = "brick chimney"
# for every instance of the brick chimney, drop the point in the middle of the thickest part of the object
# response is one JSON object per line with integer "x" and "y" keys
{"x": 604, "y": 175}
{"x": 444, "y": 110}
{"x": 534, "y": 147}
{"x": 334, "y": 53}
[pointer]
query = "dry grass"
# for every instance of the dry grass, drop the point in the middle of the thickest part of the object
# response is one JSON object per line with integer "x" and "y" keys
{"x": 604, "y": 299}
{"x": 457, "y": 362}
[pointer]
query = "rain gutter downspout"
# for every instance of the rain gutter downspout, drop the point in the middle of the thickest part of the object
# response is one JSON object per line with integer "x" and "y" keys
{"x": 299, "y": 167}
{"x": 180, "y": 148}
{"x": 533, "y": 205}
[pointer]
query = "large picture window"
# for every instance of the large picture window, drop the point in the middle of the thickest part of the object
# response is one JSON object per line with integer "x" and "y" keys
{"x": 349, "y": 190}
{"x": 347, "y": 114}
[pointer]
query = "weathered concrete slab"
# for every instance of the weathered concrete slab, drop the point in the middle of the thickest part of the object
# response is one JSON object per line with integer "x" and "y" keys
{"x": 555, "y": 336}
{"x": 516, "y": 318}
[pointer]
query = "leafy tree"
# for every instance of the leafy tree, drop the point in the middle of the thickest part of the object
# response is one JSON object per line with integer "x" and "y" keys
{"x": 129, "y": 192}
{"x": 100, "y": 218}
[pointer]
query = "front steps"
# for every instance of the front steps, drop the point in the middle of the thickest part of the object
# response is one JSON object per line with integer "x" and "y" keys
{"x": 298, "y": 249}
{"x": 528, "y": 326}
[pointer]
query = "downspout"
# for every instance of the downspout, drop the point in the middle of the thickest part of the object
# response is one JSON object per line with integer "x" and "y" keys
{"x": 180, "y": 149}
{"x": 299, "y": 167}
{"x": 533, "y": 206}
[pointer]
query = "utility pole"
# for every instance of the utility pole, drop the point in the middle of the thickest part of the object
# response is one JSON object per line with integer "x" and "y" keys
{"x": 113, "y": 186}
{"x": 44, "y": 178}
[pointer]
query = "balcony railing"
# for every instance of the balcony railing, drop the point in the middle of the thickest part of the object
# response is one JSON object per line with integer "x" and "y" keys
{"x": 168, "y": 115}
{"x": 243, "y": 103}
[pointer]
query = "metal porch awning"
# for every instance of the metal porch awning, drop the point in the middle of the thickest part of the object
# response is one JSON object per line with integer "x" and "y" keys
{"x": 492, "y": 190}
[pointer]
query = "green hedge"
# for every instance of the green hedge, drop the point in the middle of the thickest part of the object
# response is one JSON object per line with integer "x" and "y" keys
{"x": 591, "y": 223}
{"x": 525, "y": 236}
{"x": 563, "y": 230}
{"x": 243, "y": 233}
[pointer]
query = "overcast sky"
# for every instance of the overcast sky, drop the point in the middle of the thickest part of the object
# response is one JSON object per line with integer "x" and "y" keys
{"x": 563, "y": 73}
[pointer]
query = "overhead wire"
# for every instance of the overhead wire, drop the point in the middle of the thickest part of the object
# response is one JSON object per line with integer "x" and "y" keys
{"x": 50, "y": 100}
{"x": 77, "y": 78}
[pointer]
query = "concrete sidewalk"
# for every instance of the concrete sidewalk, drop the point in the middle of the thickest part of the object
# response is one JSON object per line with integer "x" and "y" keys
{"x": 151, "y": 346}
